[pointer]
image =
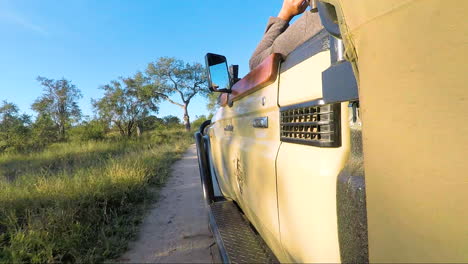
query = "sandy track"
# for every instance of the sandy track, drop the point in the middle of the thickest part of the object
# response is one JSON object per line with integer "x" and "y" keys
{"x": 176, "y": 230}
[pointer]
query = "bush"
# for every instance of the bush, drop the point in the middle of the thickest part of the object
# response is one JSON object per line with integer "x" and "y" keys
{"x": 17, "y": 139}
{"x": 44, "y": 132}
{"x": 150, "y": 123}
{"x": 92, "y": 130}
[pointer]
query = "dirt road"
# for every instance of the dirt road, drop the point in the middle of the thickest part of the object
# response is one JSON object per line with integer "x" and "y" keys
{"x": 176, "y": 230}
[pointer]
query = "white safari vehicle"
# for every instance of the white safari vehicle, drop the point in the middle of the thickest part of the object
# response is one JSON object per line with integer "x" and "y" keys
{"x": 352, "y": 149}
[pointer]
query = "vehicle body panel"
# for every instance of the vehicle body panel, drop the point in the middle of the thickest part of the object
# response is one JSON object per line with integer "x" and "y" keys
{"x": 307, "y": 178}
{"x": 302, "y": 82}
{"x": 255, "y": 155}
{"x": 307, "y": 175}
{"x": 410, "y": 57}
{"x": 220, "y": 141}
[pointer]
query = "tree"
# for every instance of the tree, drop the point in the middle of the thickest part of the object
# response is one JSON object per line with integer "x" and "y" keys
{"x": 14, "y": 128}
{"x": 122, "y": 104}
{"x": 8, "y": 113}
{"x": 59, "y": 102}
{"x": 169, "y": 76}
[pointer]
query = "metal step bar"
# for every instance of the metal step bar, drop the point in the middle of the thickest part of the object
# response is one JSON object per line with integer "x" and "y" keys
{"x": 237, "y": 241}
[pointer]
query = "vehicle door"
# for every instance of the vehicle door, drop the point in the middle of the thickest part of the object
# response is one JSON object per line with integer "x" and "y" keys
{"x": 254, "y": 147}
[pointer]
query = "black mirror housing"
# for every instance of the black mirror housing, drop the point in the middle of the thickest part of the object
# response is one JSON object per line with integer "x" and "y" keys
{"x": 328, "y": 17}
{"x": 219, "y": 79}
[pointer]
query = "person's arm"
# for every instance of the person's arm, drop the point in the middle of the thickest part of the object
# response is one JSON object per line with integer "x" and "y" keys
{"x": 275, "y": 27}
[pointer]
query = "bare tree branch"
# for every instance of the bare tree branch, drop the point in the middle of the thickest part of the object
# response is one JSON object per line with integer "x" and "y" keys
{"x": 176, "y": 87}
{"x": 166, "y": 97}
{"x": 190, "y": 97}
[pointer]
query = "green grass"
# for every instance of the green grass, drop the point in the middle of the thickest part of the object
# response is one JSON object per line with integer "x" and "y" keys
{"x": 81, "y": 202}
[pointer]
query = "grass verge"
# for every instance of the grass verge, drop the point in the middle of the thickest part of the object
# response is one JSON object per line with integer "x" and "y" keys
{"x": 81, "y": 202}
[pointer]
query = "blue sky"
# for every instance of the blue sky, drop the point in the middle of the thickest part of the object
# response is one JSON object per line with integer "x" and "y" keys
{"x": 92, "y": 42}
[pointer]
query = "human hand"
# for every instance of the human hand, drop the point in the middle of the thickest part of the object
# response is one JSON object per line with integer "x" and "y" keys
{"x": 292, "y": 8}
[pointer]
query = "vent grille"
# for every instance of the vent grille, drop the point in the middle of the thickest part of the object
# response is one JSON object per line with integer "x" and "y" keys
{"x": 317, "y": 125}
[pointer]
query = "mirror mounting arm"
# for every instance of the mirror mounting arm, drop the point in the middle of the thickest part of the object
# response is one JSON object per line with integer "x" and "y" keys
{"x": 234, "y": 72}
{"x": 224, "y": 91}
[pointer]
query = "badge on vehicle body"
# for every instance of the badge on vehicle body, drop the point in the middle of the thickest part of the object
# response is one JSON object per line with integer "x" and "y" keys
{"x": 260, "y": 122}
{"x": 239, "y": 175}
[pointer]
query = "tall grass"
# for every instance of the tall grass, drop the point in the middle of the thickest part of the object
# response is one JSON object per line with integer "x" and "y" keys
{"x": 81, "y": 202}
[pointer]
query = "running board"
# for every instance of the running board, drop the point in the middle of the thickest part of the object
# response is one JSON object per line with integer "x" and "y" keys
{"x": 237, "y": 241}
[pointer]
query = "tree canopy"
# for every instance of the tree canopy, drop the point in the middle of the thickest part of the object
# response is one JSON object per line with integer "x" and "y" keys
{"x": 168, "y": 76}
{"x": 14, "y": 127}
{"x": 59, "y": 102}
{"x": 122, "y": 104}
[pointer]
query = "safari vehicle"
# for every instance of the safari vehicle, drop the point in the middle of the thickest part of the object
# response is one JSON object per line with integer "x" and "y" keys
{"x": 352, "y": 149}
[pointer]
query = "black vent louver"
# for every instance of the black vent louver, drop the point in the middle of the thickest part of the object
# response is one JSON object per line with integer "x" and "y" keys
{"x": 312, "y": 124}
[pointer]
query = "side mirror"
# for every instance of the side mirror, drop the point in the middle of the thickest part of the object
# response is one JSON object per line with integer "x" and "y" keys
{"x": 219, "y": 79}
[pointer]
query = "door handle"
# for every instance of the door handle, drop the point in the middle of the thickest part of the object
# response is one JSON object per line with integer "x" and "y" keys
{"x": 229, "y": 128}
{"x": 260, "y": 122}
